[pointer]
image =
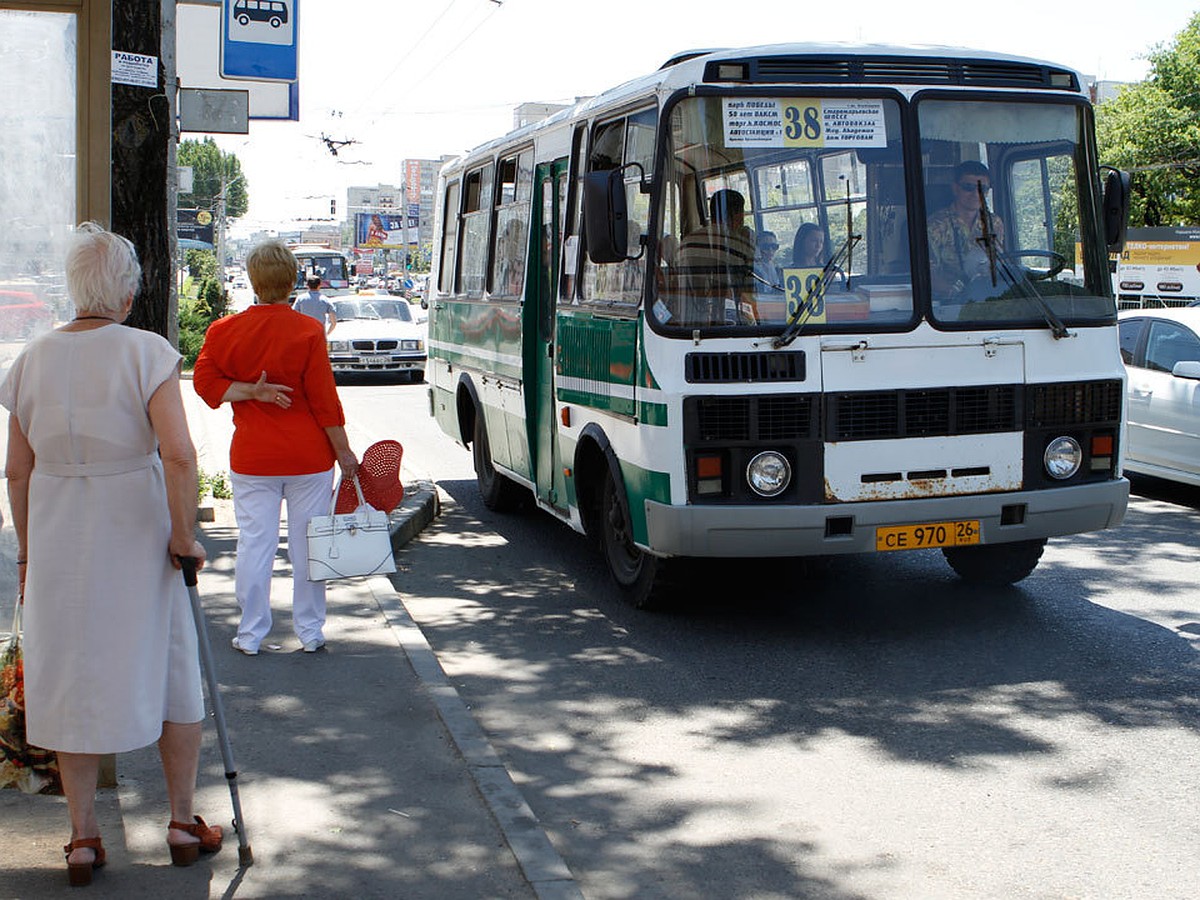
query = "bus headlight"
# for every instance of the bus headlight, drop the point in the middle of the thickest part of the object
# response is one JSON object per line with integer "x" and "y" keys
{"x": 338, "y": 346}
{"x": 1063, "y": 457}
{"x": 769, "y": 473}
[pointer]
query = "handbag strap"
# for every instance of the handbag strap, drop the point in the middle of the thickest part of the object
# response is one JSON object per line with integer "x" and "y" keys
{"x": 337, "y": 489}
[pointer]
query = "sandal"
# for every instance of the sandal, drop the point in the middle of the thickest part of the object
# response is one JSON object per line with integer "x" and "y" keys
{"x": 186, "y": 854}
{"x": 80, "y": 874}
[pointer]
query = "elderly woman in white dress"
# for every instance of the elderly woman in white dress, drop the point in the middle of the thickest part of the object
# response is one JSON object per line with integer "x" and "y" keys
{"x": 102, "y": 482}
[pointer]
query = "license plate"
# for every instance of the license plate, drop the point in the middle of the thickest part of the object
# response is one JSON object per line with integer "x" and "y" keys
{"x": 928, "y": 534}
{"x": 376, "y": 360}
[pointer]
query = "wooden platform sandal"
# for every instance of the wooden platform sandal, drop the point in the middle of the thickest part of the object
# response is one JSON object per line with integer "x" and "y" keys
{"x": 186, "y": 854}
{"x": 80, "y": 874}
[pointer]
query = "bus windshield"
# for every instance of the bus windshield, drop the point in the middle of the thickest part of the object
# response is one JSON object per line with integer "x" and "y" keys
{"x": 792, "y": 211}
{"x": 1007, "y": 185}
{"x": 328, "y": 265}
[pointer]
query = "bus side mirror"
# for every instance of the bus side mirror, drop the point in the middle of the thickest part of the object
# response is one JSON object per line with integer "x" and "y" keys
{"x": 606, "y": 216}
{"x": 1117, "y": 188}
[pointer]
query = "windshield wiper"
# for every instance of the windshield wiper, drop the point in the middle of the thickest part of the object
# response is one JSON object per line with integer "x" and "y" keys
{"x": 1025, "y": 288}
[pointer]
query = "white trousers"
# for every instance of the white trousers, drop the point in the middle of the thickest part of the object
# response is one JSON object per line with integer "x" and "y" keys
{"x": 256, "y": 504}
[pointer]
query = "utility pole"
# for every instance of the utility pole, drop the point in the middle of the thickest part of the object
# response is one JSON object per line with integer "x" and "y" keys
{"x": 404, "y": 220}
{"x": 142, "y": 130}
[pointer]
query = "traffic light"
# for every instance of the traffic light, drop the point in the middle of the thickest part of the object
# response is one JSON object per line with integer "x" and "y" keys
{"x": 333, "y": 207}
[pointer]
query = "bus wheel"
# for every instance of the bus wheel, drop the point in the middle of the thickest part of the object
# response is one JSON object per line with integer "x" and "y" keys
{"x": 637, "y": 573}
{"x": 499, "y": 493}
{"x": 995, "y": 565}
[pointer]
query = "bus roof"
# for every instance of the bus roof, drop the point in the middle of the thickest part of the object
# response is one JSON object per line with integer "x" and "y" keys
{"x": 828, "y": 64}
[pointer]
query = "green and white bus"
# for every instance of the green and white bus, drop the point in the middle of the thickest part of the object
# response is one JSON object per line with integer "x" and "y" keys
{"x": 614, "y": 333}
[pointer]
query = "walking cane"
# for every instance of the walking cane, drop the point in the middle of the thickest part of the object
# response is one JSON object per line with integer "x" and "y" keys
{"x": 245, "y": 855}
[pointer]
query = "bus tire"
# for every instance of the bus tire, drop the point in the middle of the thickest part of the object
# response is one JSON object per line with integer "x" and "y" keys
{"x": 499, "y": 494}
{"x": 995, "y": 565}
{"x": 638, "y": 574}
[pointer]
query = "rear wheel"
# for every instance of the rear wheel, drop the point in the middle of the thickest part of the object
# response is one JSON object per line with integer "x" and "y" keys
{"x": 995, "y": 565}
{"x": 639, "y": 575}
{"x": 499, "y": 493}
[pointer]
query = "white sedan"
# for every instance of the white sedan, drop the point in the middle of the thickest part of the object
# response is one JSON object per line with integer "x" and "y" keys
{"x": 1161, "y": 350}
{"x": 376, "y": 333}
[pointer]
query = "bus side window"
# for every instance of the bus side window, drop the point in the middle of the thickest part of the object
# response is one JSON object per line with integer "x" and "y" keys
{"x": 616, "y": 143}
{"x": 476, "y": 219}
{"x": 514, "y": 182}
{"x": 449, "y": 240}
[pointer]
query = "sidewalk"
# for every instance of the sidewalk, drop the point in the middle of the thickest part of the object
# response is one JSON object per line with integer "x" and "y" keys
{"x": 361, "y": 773}
{"x": 350, "y": 783}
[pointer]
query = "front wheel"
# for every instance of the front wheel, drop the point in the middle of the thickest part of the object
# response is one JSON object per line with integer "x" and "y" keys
{"x": 499, "y": 494}
{"x": 995, "y": 565}
{"x": 637, "y": 573}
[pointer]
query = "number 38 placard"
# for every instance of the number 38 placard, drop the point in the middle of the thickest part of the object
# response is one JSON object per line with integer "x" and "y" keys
{"x": 803, "y": 122}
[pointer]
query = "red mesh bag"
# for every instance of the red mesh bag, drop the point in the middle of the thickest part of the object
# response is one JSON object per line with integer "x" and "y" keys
{"x": 379, "y": 476}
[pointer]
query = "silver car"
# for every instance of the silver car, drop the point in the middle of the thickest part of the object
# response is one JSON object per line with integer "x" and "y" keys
{"x": 377, "y": 333}
{"x": 1161, "y": 350}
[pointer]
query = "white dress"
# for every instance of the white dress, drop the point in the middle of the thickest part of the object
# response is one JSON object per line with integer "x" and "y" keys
{"x": 110, "y": 643}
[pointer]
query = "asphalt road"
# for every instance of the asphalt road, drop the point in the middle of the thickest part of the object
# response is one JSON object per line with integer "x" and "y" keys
{"x": 867, "y": 728}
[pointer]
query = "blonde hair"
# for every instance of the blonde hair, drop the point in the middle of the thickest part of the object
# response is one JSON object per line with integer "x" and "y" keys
{"x": 272, "y": 269}
{"x": 102, "y": 270}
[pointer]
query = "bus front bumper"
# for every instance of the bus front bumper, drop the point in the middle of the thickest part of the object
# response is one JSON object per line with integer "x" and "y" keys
{"x": 766, "y": 530}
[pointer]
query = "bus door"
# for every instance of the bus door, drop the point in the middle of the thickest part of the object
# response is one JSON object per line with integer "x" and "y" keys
{"x": 541, "y": 408}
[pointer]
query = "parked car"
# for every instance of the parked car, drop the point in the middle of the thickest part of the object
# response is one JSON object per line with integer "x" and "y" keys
{"x": 377, "y": 333}
{"x": 1161, "y": 350}
{"x": 23, "y": 315}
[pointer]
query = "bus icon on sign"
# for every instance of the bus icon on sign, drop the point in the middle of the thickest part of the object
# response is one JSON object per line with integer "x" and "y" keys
{"x": 273, "y": 12}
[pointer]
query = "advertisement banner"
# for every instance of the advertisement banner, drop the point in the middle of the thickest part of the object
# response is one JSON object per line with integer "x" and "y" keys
{"x": 383, "y": 230}
{"x": 1160, "y": 262}
{"x": 194, "y": 225}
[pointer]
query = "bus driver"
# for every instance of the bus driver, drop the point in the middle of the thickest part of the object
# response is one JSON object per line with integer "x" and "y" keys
{"x": 957, "y": 241}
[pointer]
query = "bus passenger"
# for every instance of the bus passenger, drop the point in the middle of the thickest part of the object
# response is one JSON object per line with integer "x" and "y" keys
{"x": 766, "y": 272}
{"x": 957, "y": 240}
{"x": 717, "y": 259}
{"x": 808, "y": 247}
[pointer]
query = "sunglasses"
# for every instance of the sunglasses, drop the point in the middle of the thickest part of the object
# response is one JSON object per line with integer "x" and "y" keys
{"x": 972, "y": 185}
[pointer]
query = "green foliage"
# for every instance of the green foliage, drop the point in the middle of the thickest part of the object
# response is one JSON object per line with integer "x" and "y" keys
{"x": 216, "y": 484}
{"x": 196, "y": 314}
{"x": 201, "y": 264}
{"x": 1153, "y": 129}
{"x": 213, "y": 170}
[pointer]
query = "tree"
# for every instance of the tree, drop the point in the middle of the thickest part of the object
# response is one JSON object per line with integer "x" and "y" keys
{"x": 1152, "y": 129}
{"x": 213, "y": 171}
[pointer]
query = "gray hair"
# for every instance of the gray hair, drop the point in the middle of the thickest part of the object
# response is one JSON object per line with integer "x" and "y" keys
{"x": 102, "y": 270}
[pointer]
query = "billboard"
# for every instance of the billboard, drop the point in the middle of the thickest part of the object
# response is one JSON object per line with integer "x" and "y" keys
{"x": 194, "y": 225}
{"x": 1160, "y": 262}
{"x": 384, "y": 230}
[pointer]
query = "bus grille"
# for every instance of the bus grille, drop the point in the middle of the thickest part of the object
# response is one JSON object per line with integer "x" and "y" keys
{"x": 903, "y": 69}
{"x": 938, "y": 412}
{"x": 719, "y": 368}
{"x": 912, "y": 413}
{"x": 1082, "y": 403}
{"x": 783, "y": 417}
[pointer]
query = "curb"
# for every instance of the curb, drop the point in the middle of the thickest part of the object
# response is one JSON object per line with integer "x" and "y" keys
{"x": 419, "y": 507}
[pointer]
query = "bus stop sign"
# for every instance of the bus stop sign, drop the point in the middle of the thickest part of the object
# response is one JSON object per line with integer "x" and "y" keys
{"x": 259, "y": 39}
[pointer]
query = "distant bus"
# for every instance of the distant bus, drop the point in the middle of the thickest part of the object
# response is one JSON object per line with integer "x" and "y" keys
{"x": 606, "y": 338}
{"x": 329, "y": 264}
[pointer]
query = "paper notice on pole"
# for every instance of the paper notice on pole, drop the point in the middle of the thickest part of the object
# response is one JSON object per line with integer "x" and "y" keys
{"x": 787, "y": 122}
{"x": 135, "y": 69}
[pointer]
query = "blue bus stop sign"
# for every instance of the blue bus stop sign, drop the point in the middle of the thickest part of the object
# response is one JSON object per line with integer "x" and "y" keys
{"x": 259, "y": 39}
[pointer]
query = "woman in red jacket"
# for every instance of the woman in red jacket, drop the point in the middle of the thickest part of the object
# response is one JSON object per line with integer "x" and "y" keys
{"x": 271, "y": 364}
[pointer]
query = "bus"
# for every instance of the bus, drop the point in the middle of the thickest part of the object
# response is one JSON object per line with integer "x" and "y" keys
{"x": 614, "y": 334}
{"x": 323, "y": 261}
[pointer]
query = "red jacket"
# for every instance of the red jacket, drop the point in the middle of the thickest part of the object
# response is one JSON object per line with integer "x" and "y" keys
{"x": 290, "y": 347}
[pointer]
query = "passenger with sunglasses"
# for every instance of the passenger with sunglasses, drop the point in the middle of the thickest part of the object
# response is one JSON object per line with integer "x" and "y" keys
{"x": 958, "y": 243}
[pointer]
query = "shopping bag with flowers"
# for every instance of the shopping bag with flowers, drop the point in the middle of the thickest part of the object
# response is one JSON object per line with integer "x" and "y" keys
{"x": 23, "y": 766}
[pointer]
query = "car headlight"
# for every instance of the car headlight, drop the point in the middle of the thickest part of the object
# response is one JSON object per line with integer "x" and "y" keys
{"x": 338, "y": 346}
{"x": 769, "y": 473}
{"x": 412, "y": 345}
{"x": 1063, "y": 457}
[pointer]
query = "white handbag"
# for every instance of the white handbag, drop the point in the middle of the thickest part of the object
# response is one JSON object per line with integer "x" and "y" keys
{"x": 348, "y": 545}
